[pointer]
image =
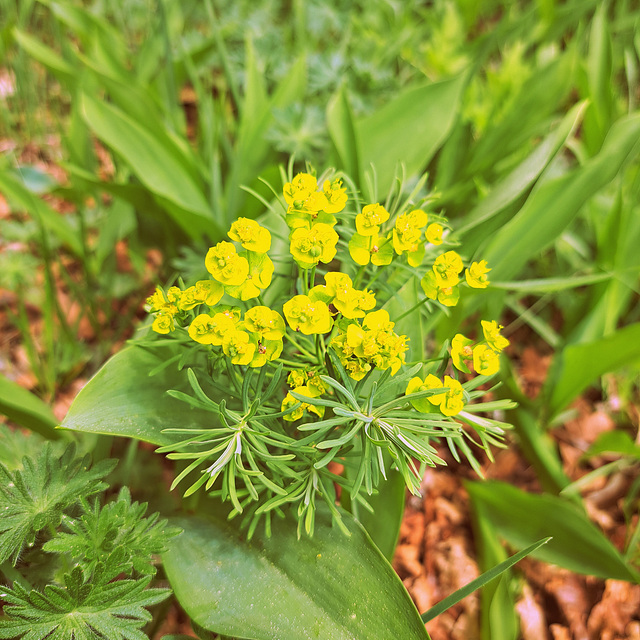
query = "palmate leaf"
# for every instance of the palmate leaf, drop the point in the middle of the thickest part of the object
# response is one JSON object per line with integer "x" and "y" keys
{"x": 120, "y": 527}
{"x": 36, "y": 497}
{"x": 83, "y": 610}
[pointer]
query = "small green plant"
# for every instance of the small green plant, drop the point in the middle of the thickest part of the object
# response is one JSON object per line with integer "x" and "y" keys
{"x": 293, "y": 383}
{"x": 79, "y": 568}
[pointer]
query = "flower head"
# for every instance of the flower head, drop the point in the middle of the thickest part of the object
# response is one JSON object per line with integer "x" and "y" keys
{"x": 486, "y": 361}
{"x": 225, "y": 265}
{"x": 310, "y": 246}
{"x": 460, "y": 351}
{"x": 447, "y": 268}
{"x": 306, "y": 315}
{"x": 207, "y": 329}
{"x": 492, "y": 335}
{"x": 476, "y": 275}
{"x": 425, "y": 405}
{"x": 265, "y": 322}
{"x": 238, "y": 346}
{"x": 368, "y": 222}
{"x": 250, "y": 235}
{"x": 434, "y": 233}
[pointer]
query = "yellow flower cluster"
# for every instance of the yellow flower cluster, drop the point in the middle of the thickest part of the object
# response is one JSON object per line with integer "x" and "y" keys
{"x": 372, "y": 344}
{"x": 450, "y": 402}
{"x": 309, "y": 385}
{"x": 484, "y": 355}
{"x": 243, "y": 275}
{"x": 310, "y": 217}
{"x": 441, "y": 283}
{"x": 368, "y": 245}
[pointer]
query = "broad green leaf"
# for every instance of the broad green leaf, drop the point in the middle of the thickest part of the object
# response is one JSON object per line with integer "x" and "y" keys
{"x": 614, "y": 442}
{"x": 578, "y": 365}
{"x": 480, "y": 581}
{"x": 329, "y": 587}
{"x": 156, "y": 164}
{"x": 556, "y": 202}
{"x": 521, "y": 518}
{"x": 14, "y": 190}
{"x": 408, "y": 130}
{"x": 26, "y": 409}
{"x": 341, "y": 126}
{"x": 123, "y": 400}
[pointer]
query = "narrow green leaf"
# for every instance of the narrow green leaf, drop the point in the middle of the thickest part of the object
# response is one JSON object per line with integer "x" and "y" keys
{"x": 340, "y": 122}
{"x": 12, "y": 187}
{"x": 578, "y": 365}
{"x": 577, "y": 543}
{"x": 329, "y": 587}
{"x": 62, "y": 69}
{"x": 121, "y": 399}
{"x": 516, "y": 183}
{"x": 26, "y": 409}
{"x": 554, "y": 204}
{"x": 480, "y": 581}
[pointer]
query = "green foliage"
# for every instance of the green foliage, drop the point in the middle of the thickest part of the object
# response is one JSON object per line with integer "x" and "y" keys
{"x": 280, "y": 588}
{"x": 38, "y": 496}
{"x": 117, "y": 529}
{"x": 88, "y": 606}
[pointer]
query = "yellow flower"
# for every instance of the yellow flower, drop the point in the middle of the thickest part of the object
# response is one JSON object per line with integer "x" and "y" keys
{"x": 208, "y": 291}
{"x": 211, "y": 330}
{"x": 238, "y": 346}
{"x": 447, "y": 296}
{"x": 296, "y": 378}
{"x": 485, "y": 360}
{"x": 250, "y": 235}
{"x": 336, "y": 196}
{"x": 310, "y": 246}
{"x": 434, "y": 233}
{"x": 368, "y": 222}
{"x": 258, "y": 277}
{"x": 266, "y": 350}
{"x": 299, "y": 189}
{"x": 378, "y": 321}
{"x": 492, "y": 335}
{"x": 476, "y": 275}
{"x": 290, "y": 401}
{"x": 156, "y": 300}
{"x": 265, "y": 322}
{"x": 372, "y": 248}
{"x": 447, "y": 268}
{"x": 357, "y": 369}
{"x": 169, "y": 305}
{"x": 188, "y": 299}
{"x": 416, "y": 384}
{"x": 163, "y": 323}
{"x": 460, "y": 351}
{"x": 225, "y": 265}
{"x": 453, "y": 400}
{"x": 307, "y": 316}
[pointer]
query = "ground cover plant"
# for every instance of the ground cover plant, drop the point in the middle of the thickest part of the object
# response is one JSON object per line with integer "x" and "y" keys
{"x": 525, "y": 118}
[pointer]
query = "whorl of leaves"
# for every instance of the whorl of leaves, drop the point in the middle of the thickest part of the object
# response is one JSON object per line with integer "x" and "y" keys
{"x": 38, "y": 495}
